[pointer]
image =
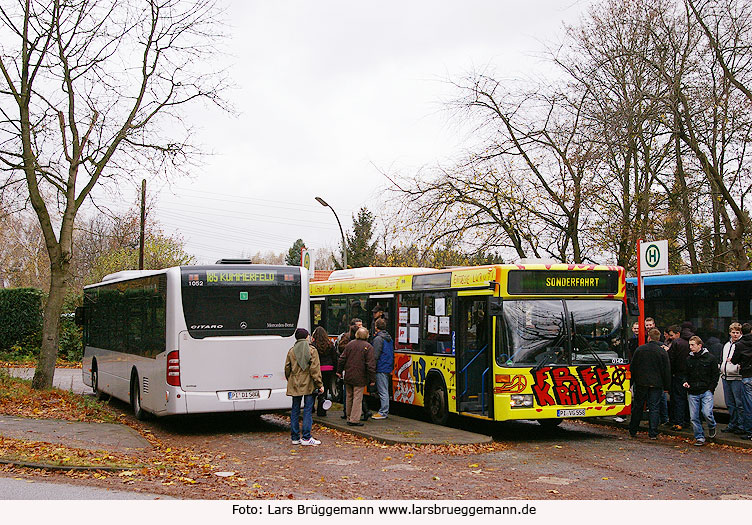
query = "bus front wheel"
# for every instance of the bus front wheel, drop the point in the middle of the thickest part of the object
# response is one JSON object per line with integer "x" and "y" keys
{"x": 138, "y": 412}
{"x": 436, "y": 403}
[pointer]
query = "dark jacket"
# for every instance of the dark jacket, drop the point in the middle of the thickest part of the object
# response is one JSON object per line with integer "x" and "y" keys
{"x": 702, "y": 372}
{"x": 384, "y": 359}
{"x": 743, "y": 355}
{"x": 357, "y": 363}
{"x": 677, "y": 354}
{"x": 650, "y": 366}
{"x": 326, "y": 353}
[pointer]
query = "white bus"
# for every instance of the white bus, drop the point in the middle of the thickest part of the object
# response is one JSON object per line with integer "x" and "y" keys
{"x": 194, "y": 339}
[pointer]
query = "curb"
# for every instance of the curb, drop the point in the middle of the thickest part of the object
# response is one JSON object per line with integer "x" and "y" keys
{"x": 49, "y": 466}
{"x": 718, "y": 439}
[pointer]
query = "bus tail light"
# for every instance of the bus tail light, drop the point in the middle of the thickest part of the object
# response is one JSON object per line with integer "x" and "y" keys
{"x": 173, "y": 368}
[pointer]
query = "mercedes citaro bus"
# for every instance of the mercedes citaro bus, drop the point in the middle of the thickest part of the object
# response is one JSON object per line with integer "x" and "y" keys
{"x": 194, "y": 339}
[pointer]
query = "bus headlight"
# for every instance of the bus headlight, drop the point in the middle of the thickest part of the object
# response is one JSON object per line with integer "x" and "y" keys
{"x": 521, "y": 400}
{"x": 615, "y": 398}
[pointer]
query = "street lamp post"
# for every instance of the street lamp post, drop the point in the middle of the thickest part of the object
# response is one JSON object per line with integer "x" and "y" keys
{"x": 344, "y": 246}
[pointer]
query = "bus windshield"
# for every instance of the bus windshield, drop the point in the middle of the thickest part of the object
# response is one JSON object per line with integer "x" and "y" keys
{"x": 235, "y": 302}
{"x": 553, "y": 332}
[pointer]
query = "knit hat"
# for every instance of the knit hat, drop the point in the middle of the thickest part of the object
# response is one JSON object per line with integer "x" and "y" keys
{"x": 301, "y": 333}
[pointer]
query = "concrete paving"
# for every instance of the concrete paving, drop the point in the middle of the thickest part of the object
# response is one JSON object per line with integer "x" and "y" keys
{"x": 396, "y": 430}
{"x": 64, "y": 379}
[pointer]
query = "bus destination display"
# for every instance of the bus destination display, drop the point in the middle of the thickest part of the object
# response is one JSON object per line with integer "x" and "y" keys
{"x": 552, "y": 282}
{"x": 237, "y": 277}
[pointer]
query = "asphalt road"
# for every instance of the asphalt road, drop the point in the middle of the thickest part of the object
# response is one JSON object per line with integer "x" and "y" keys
{"x": 26, "y": 489}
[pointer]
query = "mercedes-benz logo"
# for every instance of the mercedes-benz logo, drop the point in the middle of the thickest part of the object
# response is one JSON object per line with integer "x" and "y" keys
{"x": 243, "y": 325}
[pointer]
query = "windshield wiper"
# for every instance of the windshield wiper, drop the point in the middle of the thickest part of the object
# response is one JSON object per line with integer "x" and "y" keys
{"x": 582, "y": 339}
{"x": 547, "y": 355}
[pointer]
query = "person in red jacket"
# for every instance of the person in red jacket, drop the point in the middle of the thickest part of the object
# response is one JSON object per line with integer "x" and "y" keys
{"x": 357, "y": 366}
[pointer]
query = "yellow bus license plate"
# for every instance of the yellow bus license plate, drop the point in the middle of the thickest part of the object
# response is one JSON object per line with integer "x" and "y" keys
{"x": 570, "y": 412}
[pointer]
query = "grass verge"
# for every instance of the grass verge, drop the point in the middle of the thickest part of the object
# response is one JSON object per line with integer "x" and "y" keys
{"x": 17, "y": 398}
{"x": 20, "y": 451}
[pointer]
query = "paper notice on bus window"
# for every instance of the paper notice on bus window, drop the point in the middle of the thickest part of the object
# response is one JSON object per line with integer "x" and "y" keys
{"x": 439, "y": 306}
{"x": 444, "y": 325}
{"x": 433, "y": 324}
{"x": 402, "y": 315}
{"x": 414, "y": 315}
{"x": 402, "y": 335}
{"x": 414, "y": 334}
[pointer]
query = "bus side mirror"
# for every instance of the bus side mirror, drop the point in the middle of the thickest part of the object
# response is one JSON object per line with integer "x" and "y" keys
{"x": 496, "y": 306}
{"x": 80, "y": 318}
{"x": 633, "y": 306}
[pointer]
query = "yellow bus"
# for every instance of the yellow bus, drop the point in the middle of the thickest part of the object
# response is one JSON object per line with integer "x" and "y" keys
{"x": 504, "y": 342}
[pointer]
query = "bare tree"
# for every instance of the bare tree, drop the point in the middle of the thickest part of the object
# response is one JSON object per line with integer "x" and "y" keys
{"x": 96, "y": 89}
{"x": 727, "y": 24}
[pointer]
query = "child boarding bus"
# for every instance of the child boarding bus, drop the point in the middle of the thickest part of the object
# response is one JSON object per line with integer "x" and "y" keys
{"x": 503, "y": 342}
{"x": 193, "y": 339}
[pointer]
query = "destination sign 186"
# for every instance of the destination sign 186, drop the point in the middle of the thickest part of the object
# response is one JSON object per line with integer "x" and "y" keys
{"x": 552, "y": 282}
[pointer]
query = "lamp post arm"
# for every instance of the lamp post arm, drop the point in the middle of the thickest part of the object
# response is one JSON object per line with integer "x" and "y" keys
{"x": 344, "y": 245}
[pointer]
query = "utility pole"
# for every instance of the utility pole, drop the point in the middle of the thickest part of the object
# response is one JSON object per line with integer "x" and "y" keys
{"x": 143, "y": 225}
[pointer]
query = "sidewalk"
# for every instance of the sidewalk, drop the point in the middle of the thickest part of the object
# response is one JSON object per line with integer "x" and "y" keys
{"x": 721, "y": 438}
{"x": 401, "y": 430}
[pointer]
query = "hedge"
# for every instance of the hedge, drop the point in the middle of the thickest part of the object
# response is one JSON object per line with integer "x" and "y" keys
{"x": 20, "y": 315}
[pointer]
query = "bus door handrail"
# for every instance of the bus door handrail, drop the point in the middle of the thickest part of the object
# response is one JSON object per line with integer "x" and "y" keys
{"x": 483, "y": 390}
{"x": 464, "y": 369}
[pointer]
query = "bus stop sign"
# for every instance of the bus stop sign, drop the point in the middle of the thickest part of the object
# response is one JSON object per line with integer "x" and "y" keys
{"x": 654, "y": 258}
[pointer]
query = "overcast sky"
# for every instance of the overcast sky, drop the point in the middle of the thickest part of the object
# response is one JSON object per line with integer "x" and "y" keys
{"x": 328, "y": 92}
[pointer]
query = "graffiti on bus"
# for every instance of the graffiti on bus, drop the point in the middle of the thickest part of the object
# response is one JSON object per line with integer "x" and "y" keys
{"x": 582, "y": 384}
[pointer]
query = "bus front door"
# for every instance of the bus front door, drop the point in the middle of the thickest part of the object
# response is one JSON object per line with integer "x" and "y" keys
{"x": 473, "y": 356}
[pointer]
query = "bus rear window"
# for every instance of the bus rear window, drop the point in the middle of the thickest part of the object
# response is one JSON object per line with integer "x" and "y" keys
{"x": 232, "y": 302}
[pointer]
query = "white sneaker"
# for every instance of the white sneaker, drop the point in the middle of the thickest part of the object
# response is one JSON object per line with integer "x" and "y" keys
{"x": 295, "y": 442}
{"x": 312, "y": 441}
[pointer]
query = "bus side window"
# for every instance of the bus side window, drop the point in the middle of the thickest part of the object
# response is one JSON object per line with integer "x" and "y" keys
{"x": 408, "y": 322}
{"x": 437, "y": 324}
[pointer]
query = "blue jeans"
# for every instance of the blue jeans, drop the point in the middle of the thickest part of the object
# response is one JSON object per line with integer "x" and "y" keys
{"x": 307, "y": 416}
{"x": 653, "y": 397}
{"x": 733, "y": 394}
{"x": 747, "y": 402}
{"x": 663, "y": 408}
{"x": 701, "y": 402}
{"x": 382, "y": 387}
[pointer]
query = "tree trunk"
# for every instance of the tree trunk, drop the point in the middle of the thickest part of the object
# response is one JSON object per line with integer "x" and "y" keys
{"x": 51, "y": 326}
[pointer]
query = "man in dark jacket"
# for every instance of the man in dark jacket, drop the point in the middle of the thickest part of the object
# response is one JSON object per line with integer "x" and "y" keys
{"x": 701, "y": 380}
{"x": 677, "y": 355}
{"x": 743, "y": 357}
{"x": 383, "y": 350}
{"x": 357, "y": 366}
{"x": 651, "y": 376}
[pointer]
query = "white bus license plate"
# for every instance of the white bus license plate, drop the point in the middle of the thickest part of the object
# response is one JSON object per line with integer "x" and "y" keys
{"x": 570, "y": 412}
{"x": 243, "y": 394}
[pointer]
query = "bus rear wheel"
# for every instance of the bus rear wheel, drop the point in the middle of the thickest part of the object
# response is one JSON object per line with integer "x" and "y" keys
{"x": 138, "y": 411}
{"x": 550, "y": 423}
{"x": 436, "y": 403}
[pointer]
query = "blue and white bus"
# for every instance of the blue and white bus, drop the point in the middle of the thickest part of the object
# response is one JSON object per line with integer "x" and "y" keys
{"x": 194, "y": 339}
{"x": 710, "y": 301}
